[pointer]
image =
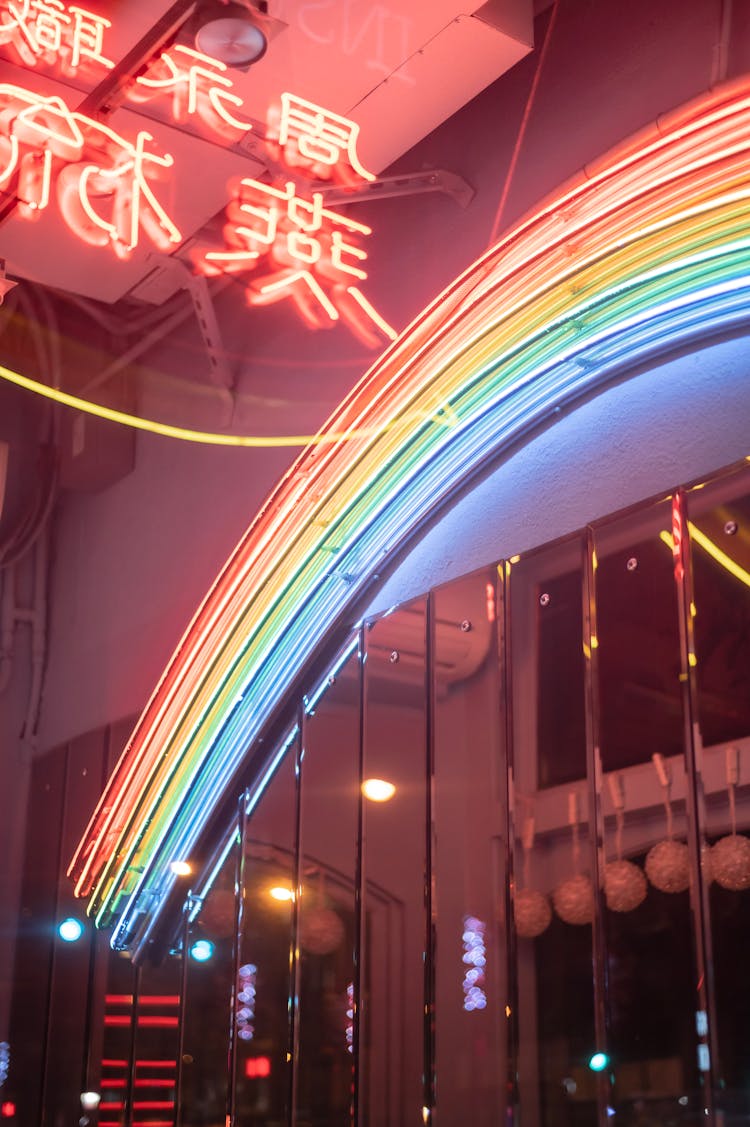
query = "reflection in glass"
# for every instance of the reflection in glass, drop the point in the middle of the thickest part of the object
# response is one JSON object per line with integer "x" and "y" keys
{"x": 468, "y": 826}
{"x": 265, "y": 963}
{"x": 648, "y": 924}
{"x": 327, "y": 908}
{"x": 719, "y": 528}
{"x": 206, "y": 1008}
{"x": 156, "y": 1042}
{"x": 394, "y": 867}
{"x": 552, "y": 850}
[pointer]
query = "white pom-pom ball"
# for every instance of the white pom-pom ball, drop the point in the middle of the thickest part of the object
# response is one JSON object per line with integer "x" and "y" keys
{"x": 574, "y": 900}
{"x": 624, "y": 886}
{"x": 668, "y": 866}
{"x": 730, "y": 862}
{"x": 532, "y": 913}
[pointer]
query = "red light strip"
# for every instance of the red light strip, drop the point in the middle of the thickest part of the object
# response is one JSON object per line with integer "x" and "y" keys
{"x": 158, "y": 1022}
{"x": 154, "y": 1083}
{"x": 156, "y": 1064}
{"x": 115, "y": 1064}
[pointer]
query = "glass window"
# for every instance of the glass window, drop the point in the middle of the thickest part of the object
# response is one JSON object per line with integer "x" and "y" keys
{"x": 265, "y": 965}
{"x": 553, "y": 893}
{"x": 327, "y": 920}
{"x": 209, "y": 974}
{"x": 394, "y": 931}
{"x": 469, "y": 836}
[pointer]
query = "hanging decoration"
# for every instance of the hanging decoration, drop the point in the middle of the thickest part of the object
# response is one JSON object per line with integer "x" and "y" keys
{"x": 668, "y": 862}
{"x": 574, "y": 898}
{"x": 625, "y": 885}
{"x": 531, "y": 908}
{"x": 730, "y": 856}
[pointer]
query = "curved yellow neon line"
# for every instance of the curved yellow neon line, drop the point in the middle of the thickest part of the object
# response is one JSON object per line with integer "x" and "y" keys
{"x": 168, "y": 431}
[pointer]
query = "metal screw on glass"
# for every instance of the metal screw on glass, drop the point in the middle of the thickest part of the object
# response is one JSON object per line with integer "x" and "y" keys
{"x": 632, "y": 564}
{"x": 394, "y": 657}
{"x": 465, "y": 626}
{"x": 544, "y": 600}
{"x": 731, "y": 527}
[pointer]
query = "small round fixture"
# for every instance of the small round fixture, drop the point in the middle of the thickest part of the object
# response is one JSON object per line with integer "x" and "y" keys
{"x": 234, "y": 38}
{"x": 181, "y": 868}
{"x": 598, "y": 1062}
{"x": 278, "y": 892}
{"x": 70, "y": 930}
{"x": 202, "y": 950}
{"x": 378, "y": 790}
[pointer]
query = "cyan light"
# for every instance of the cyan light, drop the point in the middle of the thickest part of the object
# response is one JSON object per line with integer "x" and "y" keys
{"x": 598, "y": 1062}
{"x": 202, "y": 950}
{"x": 70, "y": 930}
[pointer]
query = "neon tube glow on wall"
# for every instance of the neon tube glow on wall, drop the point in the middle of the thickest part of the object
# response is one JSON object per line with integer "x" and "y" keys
{"x": 645, "y": 252}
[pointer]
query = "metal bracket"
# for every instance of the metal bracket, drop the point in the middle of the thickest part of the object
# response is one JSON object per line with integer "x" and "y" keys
{"x": 203, "y": 307}
{"x": 406, "y": 184}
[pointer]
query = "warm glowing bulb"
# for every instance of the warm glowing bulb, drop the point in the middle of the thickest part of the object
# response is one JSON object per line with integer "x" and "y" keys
{"x": 280, "y": 893}
{"x": 90, "y": 1100}
{"x": 378, "y": 790}
{"x": 181, "y": 868}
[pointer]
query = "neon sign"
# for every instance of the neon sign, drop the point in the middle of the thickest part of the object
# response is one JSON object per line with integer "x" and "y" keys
{"x": 198, "y": 85}
{"x": 320, "y": 143}
{"x": 101, "y": 179}
{"x": 311, "y": 252}
{"x": 104, "y": 183}
{"x": 49, "y": 31}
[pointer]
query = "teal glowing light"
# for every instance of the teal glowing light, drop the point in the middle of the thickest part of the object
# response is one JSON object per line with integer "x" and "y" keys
{"x": 202, "y": 950}
{"x": 598, "y": 1062}
{"x": 70, "y": 930}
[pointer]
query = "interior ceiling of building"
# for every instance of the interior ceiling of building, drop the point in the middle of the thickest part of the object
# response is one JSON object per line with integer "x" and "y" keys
{"x": 397, "y": 71}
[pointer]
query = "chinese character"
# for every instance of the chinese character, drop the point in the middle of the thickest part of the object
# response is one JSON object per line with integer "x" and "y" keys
{"x": 306, "y": 136}
{"x": 313, "y": 249}
{"x": 198, "y": 85}
{"x": 105, "y": 199}
{"x": 50, "y": 32}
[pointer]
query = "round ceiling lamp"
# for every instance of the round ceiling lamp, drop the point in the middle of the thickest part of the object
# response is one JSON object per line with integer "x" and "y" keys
{"x": 231, "y": 35}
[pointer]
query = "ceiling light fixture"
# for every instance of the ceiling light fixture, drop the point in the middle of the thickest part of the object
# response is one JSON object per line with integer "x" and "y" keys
{"x": 278, "y": 892}
{"x": 378, "y": 790}
{"x": 231, "y": 33}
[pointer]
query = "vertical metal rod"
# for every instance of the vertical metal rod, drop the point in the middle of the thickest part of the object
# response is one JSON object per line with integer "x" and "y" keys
{"x": 52, "y": 966}
{"x": 239, "y": 923}
{"x": 132, "y": 1049}
{"x": 512, "y": 1096}
{"x": 696, "y": 811}
{"x": 186, "y": 910}
{"x": 429, "y": 1091}
{"x": 596, "y": 819}
{"x": 358, "y": 888}
{"x": 294, "y": 958}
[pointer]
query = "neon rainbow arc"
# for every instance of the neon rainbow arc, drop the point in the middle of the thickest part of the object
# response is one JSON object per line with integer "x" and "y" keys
{"x": 646, "y": 252}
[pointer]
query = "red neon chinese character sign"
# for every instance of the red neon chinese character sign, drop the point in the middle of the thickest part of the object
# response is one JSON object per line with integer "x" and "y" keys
{"x": 102, "y": 180}
{"x": 50, "y": 31}
{"x": 320, "y": 143}
{"x": 198, "y": 85}
{"x": 317, "y": 258}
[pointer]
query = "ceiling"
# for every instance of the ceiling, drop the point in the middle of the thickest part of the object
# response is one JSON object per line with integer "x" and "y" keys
{"x": 397, "y": 70}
